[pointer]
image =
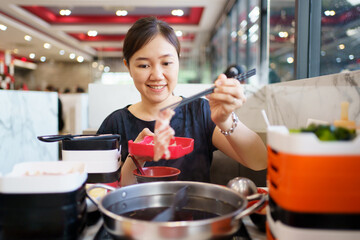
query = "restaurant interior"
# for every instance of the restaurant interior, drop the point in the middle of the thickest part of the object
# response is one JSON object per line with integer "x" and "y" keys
{"x": 307, "y": 60}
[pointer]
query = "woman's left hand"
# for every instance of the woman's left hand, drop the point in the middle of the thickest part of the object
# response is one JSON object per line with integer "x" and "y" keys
{"x": 226, "y": 98}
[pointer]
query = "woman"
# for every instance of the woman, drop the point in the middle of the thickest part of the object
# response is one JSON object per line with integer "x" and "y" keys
{"x": 151, "y": 54}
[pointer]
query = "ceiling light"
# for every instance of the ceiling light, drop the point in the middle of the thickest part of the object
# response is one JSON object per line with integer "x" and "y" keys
{"x": 177, "y": 12}
{"x": 3, "y": 27}
{"x": 47, "y": 45}
{"x": 32, "y": 55}
{"x": 338, "y": 60}
{"x": 254, "y": 14}
{"x": 290, "y": 60}
{"x": 351, "y": 57}
{"x": 94, "y": 64}
{"x": 253, "y": 29}
{"x": 80, "y": 59}
{"x": 28, "y": 38}
{"x": 283, "y": 34}
{"x": 121, "y": 13}
{"x": 330, "y": 13}
{"x": 243, "y": 24}
{"x": 92, "y": 33}
{"x": 43, "y": 58}
{"x": 323, "y": 53}
{"x": 178, "y": 33}
{"x": 101, "y": 67}
{"x": 72, "y": 55}
{"x": 341, "y": 46}
{"x": 65, "y": 12}
{"x": 254, "y": 38}
{"x": 106, "y": 69}
{"x": 352, "y": 31}
{"x": 233, "y": 34}
{"x": 62, "y": 52}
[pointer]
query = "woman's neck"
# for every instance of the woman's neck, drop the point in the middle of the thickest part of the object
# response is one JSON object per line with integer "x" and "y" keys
{"x": 149, "y": 111}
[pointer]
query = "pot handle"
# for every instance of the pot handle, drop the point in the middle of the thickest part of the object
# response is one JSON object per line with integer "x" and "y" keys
{"x": 54, "y": 138}
{"x": 94, "y": 200}
{"x": 258, "y": 196}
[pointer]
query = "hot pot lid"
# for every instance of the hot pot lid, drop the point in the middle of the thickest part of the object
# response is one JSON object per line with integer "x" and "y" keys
{"x": 44, "y": 177}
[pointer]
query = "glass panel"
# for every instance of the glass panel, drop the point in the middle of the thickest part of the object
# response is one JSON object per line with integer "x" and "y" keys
{"x": 253, "y": 60}
{"x": 340, "y": 36}
{"x": 242, "y": 33}
{"x": 281, "y": 40}
{"x": 219, "y": 50}
{"x": 232, "y": 36}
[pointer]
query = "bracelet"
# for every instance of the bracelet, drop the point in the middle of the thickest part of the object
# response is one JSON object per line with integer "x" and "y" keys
{"x": 235, "y": 120}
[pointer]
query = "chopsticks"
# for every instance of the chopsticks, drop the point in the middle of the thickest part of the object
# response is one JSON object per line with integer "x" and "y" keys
{"x": 185, "y": 101}
{"x": 139, "y": 168}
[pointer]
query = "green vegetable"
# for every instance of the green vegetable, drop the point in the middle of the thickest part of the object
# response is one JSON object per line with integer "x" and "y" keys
{"x": 328, "y": 132}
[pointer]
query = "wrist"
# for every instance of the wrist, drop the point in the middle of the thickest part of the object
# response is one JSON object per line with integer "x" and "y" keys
{"x": 229, "y": 131}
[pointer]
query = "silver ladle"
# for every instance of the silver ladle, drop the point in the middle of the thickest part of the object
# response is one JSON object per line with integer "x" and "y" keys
{"x": 246, "y": 188}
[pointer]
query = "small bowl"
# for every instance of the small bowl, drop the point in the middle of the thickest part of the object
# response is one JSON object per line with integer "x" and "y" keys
{"x": 154, "y": 174}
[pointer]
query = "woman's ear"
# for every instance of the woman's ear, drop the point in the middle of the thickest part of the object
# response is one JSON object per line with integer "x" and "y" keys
{"x": 125, "y": 63}
{"x": 127, "y": 66}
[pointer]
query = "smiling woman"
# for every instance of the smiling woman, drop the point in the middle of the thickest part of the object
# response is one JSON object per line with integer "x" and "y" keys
{"x": 151, "y": 54}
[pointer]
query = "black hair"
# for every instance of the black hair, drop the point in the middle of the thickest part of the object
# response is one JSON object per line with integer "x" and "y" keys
{"x": 143, "y": 31}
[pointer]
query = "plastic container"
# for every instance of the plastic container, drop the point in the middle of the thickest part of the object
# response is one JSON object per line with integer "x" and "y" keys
{"x": 100, "y": 153}
{"x": 43, "y": 200}
{"x": 312, "y": 186}
{"x": 178, "y": 147}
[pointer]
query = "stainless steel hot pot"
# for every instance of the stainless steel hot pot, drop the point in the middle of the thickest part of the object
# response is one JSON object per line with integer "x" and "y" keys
{"x": 227, "y": 205}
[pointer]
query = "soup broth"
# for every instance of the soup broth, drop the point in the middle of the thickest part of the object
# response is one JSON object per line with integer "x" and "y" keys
{"x": 184, "y": 215}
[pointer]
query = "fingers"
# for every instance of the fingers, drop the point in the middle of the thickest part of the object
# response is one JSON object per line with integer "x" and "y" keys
{"x": 229, "y": 91}
{"x": 145, "y": 132}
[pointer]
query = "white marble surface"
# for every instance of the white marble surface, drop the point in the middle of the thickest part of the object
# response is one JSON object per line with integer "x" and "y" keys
{"x": 293, "y": 103}
{"x": 24, "y": 115}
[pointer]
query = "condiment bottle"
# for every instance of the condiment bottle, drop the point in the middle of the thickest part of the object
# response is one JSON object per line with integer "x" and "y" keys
{"x": 344, "y": 120}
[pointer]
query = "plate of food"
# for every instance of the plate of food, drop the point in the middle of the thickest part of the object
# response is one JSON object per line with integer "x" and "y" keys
{"x": 178, "y": 147}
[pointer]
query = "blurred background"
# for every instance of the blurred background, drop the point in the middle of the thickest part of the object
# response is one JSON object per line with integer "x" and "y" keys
{"x": 69, "y": 44}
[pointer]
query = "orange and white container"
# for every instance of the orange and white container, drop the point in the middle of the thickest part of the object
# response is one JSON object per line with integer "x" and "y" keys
{"x": 313, "y": 186}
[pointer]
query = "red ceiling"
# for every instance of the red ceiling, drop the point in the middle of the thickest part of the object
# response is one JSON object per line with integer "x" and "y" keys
{"x": 44, "y": 13}
{"x": 192, "y": 18}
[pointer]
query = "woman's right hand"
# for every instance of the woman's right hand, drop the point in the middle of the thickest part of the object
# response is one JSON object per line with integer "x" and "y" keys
{"x": 145, "y": 132}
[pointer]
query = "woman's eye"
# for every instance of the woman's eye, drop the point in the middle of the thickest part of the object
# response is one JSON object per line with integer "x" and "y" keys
{"x": 143, "y": 66}
{"x": 167, "y": 63}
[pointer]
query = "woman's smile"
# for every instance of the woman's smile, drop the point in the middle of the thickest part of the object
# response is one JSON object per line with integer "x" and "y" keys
{"x": 156, "y": 87}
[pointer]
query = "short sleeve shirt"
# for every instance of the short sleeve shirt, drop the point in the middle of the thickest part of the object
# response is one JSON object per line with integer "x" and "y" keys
{"x": 191, "y": 121}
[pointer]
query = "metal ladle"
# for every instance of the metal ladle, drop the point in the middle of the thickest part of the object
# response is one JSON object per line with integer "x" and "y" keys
{"x": 242, "y": 185}
{"x": 245, "y": 187}
{"x": 180, "y": 200}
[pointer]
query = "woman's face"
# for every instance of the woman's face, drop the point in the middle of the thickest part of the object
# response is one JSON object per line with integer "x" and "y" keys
{"x": 154, "y": 69}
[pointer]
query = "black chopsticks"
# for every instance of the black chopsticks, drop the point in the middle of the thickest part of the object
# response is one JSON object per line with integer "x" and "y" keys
{"x": 184, "y": 101}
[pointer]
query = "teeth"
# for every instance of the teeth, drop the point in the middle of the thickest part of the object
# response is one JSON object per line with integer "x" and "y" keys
{"x": 156, "y": 87}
